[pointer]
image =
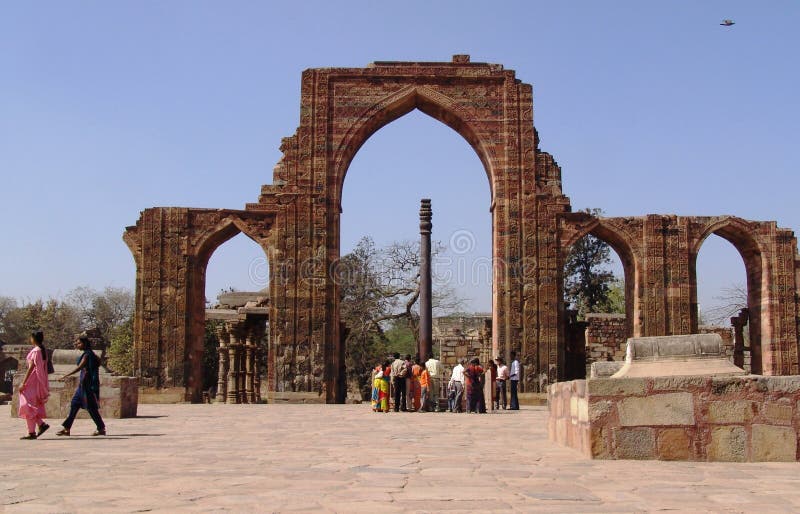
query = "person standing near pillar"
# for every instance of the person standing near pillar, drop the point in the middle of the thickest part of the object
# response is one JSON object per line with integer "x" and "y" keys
{"x": 399, "y": 372}
{"x": 434, "y": 368}
{"x": 500, "y": 384}
{"x": 410, "y": 393}
{"x": 514, "y": 376}
{"x": 457, "y": 386}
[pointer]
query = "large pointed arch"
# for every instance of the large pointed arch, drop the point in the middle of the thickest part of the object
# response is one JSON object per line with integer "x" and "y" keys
{"x": 433, "y": 103}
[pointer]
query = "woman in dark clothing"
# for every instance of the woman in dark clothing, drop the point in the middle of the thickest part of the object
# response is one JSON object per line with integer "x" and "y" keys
{"x": 475, "y": 378}
{"x": 88, "y": 393}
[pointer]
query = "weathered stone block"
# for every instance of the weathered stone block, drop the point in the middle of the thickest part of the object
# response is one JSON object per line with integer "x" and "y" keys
{"x": 678, "y": 383}
{"x": 728, "y": 385}
{"x": 790, "y": 384}
{"x": 599, "y": 447}
{"x": 583, "y": 410}
{"x": 674, "y": 444}
{"x": 635, "y": 443}
{"x": 604, "y": 369}
{"x": 771, "y": 443}
{"x": 778, "y": 413}
{"x": 731, "y": 411}
{"x": 599, "y": 409}
{"x": 728, "y": 444}
{"x": 616, "y": 386}
{"x": 659, "y": 409}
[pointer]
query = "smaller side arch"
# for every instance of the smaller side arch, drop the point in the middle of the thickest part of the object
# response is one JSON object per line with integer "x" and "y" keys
{"x": 578, "y": 225}
{"x": 739, "y": 233}
{"x": 211, "y": 232}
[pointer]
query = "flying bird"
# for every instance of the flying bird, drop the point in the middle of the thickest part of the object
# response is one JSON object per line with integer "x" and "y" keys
{"x": 727, "y": 23}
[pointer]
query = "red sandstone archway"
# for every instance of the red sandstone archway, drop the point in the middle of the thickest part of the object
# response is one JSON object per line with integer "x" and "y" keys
{"x": 298, "y": 213}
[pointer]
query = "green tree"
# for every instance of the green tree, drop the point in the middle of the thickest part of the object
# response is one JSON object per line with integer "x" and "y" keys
{"x": 587, "y": 279}
{"x": 59, "y": 320}
{"x": 210, "y": 354}
{"x": 120, "y": 349}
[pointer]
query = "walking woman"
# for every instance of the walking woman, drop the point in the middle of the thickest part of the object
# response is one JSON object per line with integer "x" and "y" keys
{"x": 88, "y": 392}
{"x": 35, "y": 388}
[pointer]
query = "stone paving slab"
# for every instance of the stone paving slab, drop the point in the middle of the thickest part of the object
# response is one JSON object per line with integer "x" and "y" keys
{"x": 345, "y": 458}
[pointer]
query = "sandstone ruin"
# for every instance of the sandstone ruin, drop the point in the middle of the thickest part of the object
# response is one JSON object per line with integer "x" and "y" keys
{"x": 296, "y": 222}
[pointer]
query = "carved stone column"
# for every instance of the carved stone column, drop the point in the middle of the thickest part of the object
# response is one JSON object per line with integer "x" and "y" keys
{"x": 241, "y": 354}
{"x": 249, "y": 368}
{"x": 233, "y": 370}
{"x": 222, "y": 375}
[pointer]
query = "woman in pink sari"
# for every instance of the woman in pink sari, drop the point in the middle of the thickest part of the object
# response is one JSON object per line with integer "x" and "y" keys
{"x": 35, "y": 388}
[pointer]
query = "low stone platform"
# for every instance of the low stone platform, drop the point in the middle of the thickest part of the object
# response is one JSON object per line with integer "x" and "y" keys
{"x": 698, "y": 418}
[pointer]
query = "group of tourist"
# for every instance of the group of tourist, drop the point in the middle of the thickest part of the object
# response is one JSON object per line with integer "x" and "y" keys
{"x": 415, "y": 386}
{"x": 35, "y": 388}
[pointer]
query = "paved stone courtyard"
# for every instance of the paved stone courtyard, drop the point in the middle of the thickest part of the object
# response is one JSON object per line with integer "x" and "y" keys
{"x": 345, "y": 458}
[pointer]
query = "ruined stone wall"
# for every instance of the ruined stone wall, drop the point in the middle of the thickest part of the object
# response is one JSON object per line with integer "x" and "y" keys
{"x": 697, "y": 418}
{"x": 461, "y": 337}
{"x": 605, "y": 337}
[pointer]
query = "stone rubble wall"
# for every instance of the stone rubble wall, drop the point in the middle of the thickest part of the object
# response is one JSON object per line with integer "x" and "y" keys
{"x": 696, "y": 418}
{"x": 461, "y": 337}
{"x": 606, "y": 335}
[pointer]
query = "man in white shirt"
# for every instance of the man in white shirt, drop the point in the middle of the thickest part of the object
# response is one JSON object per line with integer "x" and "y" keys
{"x": 500, "y": 384}
{"x": 457, "y": 385}
{"x": 434, "y": 368}
{"x": 515, "y": 375}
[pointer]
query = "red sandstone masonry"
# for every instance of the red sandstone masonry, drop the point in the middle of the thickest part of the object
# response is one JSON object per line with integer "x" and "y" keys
{"x": 694, "y": 418}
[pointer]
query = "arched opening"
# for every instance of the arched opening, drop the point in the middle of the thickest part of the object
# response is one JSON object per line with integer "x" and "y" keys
{"x": 727, "y": 296}
{"x": 230, "y": 345}
{"x": 597, "y": 315}
{"x": 407, "y": 160}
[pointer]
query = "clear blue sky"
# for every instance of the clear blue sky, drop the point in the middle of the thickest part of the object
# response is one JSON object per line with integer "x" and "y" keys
{"x": 107, "y": 108}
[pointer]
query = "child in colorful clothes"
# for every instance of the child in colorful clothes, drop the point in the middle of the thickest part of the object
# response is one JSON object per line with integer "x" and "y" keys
{"x": 425, "y": 387}
{"x": 451, "y": 396}
{"x": 377, "y": 374}
{"x": 416, "y": 369}
{"x": 383, "y": 387}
